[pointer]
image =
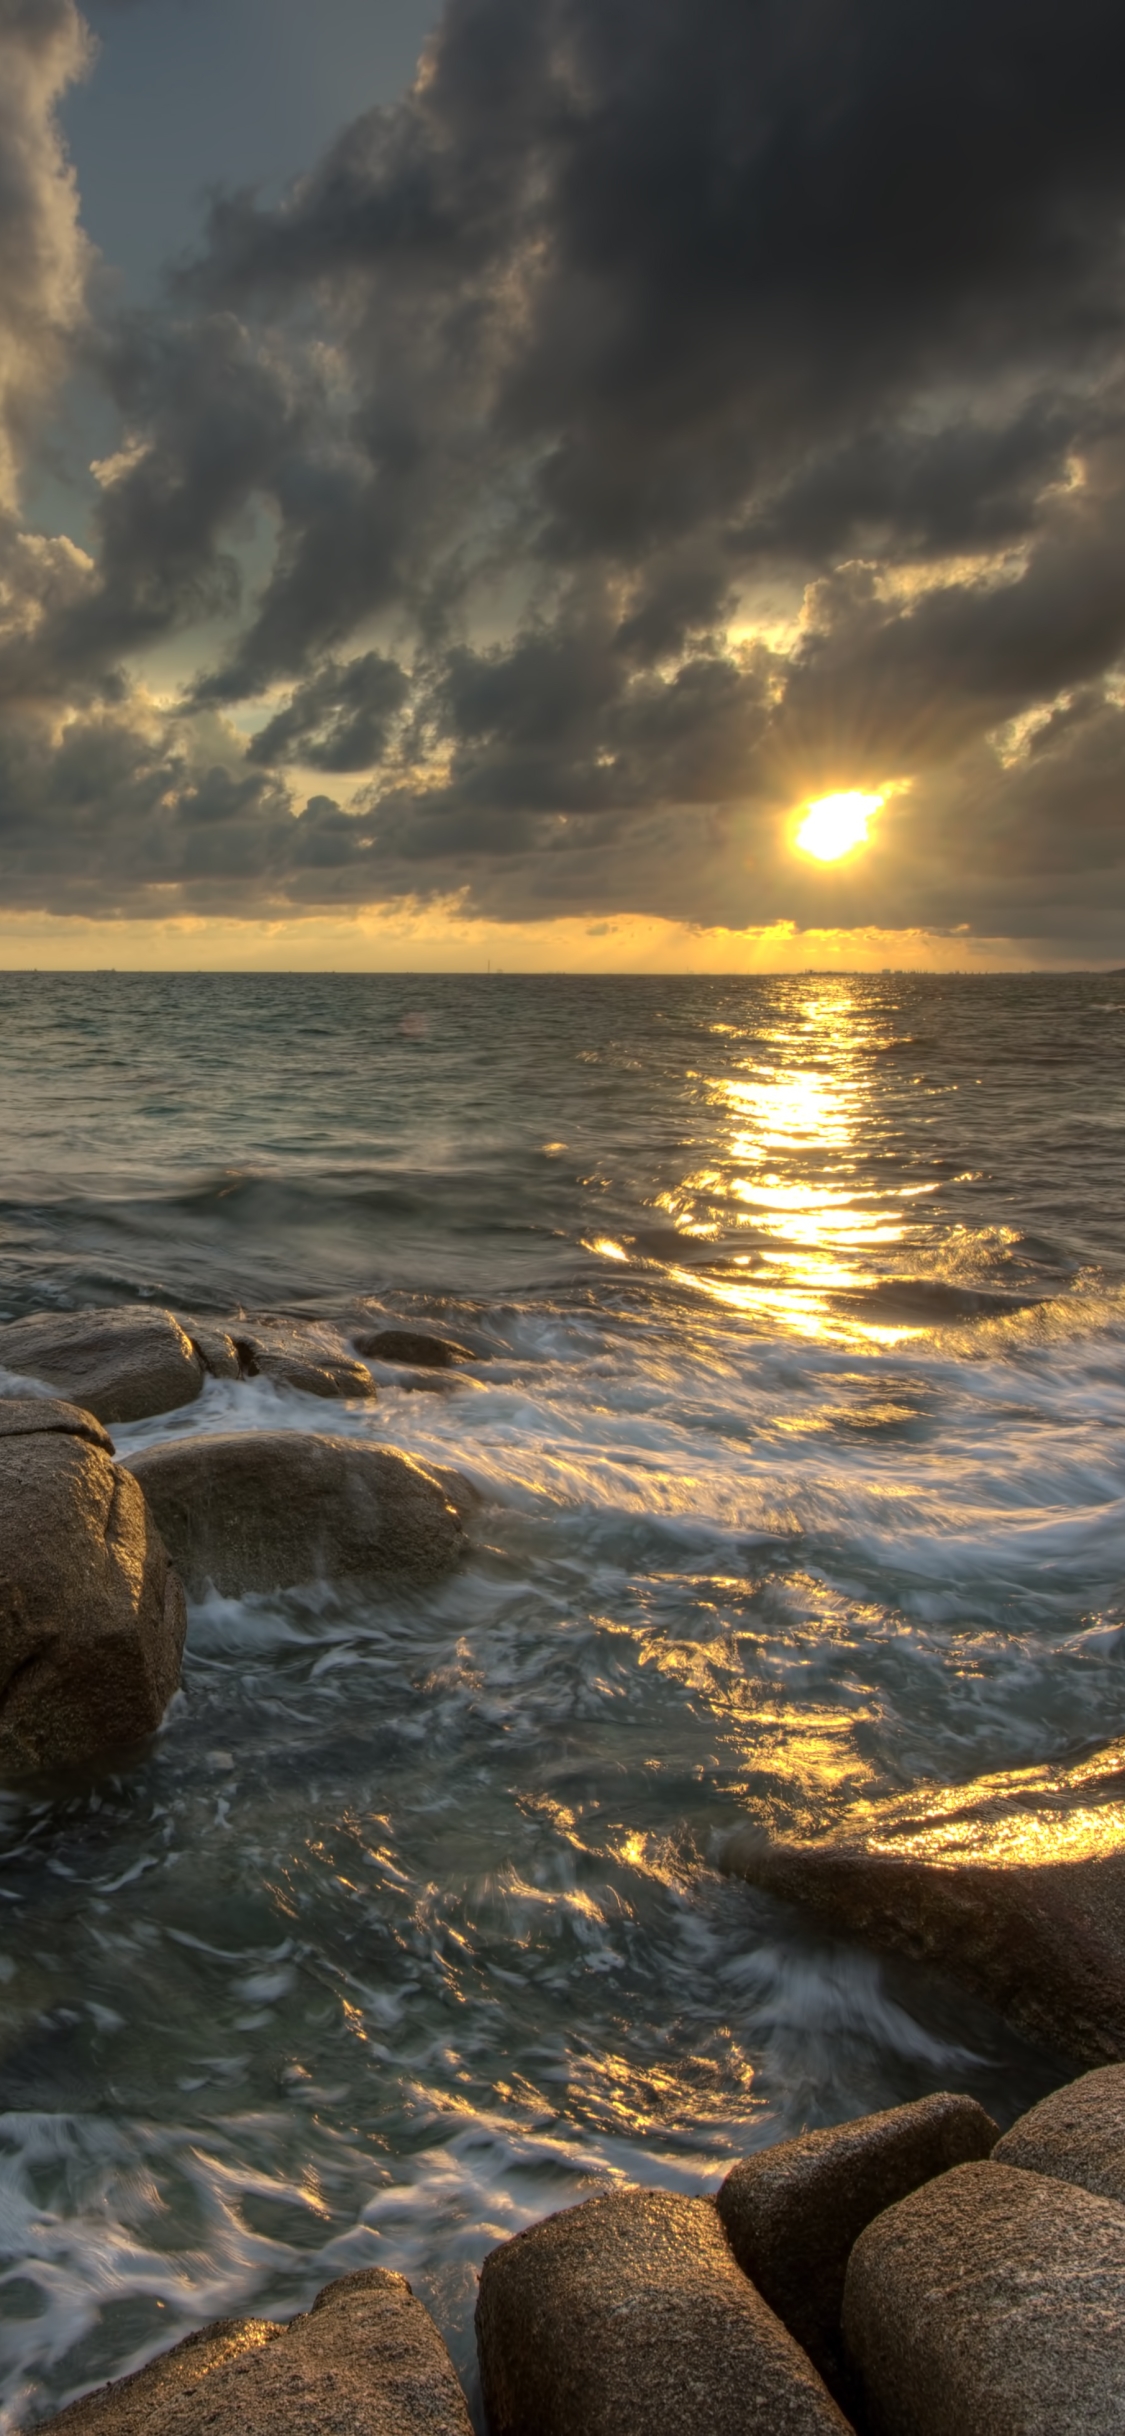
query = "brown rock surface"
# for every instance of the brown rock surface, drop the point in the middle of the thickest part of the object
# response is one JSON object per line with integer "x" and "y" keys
{"x": 218, "y": 1350}
{"x": 91, "y": 1614}
{"x": 1014, "y": 1884}
{"x": 365, "y": 2360}
{"x": 120, "y": 1364}
{"x": 47, "y": 1416}
{"x": 1077, "y": 2134}
{"x": 266, "y": 1509}
{"x": 628, "y": 2315}
{"x": 792, "y": 2213}
{"x": 302, "y": 1357}
{"x": 131, "y": 2406}
{"x": 991, "y": 2303}
{"x": 413, "y": 1348}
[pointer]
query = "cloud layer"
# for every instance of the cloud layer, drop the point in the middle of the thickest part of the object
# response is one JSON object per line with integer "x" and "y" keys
{"x": 669, "y": 410}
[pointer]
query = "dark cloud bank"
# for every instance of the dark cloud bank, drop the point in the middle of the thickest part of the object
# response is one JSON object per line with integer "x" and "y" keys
{"x": 671, "y": 409}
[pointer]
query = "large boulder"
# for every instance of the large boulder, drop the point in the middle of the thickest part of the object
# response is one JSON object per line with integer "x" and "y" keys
{"x": 1015, "y": 1885}
{"x": 991, "y": 2301}
{"x": 792, "y": 2213}
{"x": 627, "y": 2315}
{"x": 1077, "y": 2134}
{"x": 91, "y": 1613}
{"x": 365, "y": 2360}
{"x": 268, "y": 1509}
{"x": 121, "y": 1364}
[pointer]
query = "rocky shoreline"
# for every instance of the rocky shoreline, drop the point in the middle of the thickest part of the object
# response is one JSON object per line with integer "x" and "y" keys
{"x": 908, "y": 2274}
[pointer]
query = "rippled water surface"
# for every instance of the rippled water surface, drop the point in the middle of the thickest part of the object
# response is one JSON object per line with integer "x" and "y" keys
{"x": 801, "y": 1432}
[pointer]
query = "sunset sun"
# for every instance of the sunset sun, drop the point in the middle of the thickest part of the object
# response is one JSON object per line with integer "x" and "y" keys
{"x": 834, "y": 824}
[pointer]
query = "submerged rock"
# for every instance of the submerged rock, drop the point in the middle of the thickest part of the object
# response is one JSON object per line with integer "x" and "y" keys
{"x": 628, "y": 2314}
{"x": 991, "y": 2300}
{"x": 91, "y": 1613}
{"x": 792, "y": 2213}
{"x": 122, "y": 1364}
{"x": 268, "y": 1509}
{"x": 365, "y": 2360}
{"x": 413, "y": 1348}
{"x": 1077, "y": 2134}
{"x": 1015, "y": 1885}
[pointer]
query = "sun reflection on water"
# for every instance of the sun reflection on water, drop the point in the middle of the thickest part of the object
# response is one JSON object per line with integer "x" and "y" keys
{"x": 801, "y": 1222}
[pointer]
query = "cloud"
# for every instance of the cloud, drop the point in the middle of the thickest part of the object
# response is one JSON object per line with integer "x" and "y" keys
{"x": 666, "y": 411}
{"x": 44, "y": 258}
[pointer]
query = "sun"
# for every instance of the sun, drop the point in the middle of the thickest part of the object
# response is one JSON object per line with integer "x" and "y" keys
{"x": 836, "y": 823}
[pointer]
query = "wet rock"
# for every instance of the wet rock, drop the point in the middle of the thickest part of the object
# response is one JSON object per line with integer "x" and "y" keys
{"x": 413, "y": 1348}
{"x": 120, "y": 1364}
{"x": 1015, "y": 1885}
{"x": 267, "y": 1509}
{"x": 219, "y": 1352}
{"x": 91, "y": 1613}
{"x": 1077, "y": 2134}
{"x": 792, "y": 2213}
{"x": 628, "y": 2315}
{"x": 991, "y": 2300}
{"x": 302, "y": 1358}
{"x": 365, "y": 2360}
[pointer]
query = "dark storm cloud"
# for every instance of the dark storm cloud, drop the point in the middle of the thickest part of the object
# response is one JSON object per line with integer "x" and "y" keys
{"x": 668, "y": 409}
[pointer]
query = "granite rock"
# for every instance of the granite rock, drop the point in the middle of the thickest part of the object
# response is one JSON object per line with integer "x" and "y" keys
{"x": 1077, "y": 2134}
{"x": 991, "y": 2303}
{"x": 628, "y": 2315}
{"x": 267, "y": 1509}
{"x": 792, "y": 2213}
{"x": 1015, "y": 1885}
{"x": 48, "y": 1416}
{"x": 121, "y": 1364}
{"x": 91, "y": 1613}
{"x": 365, "y": 2360}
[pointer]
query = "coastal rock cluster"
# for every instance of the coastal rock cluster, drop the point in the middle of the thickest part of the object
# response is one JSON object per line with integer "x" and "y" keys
{"x": 95, "y": 1554}
{"x": 909, "y": 2274}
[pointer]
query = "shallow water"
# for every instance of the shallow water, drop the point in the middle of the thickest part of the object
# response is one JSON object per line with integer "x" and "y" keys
{"x": 802, "y": 1437}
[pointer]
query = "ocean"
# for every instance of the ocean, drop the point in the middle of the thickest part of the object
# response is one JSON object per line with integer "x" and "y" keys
{"x": 802, "y": 1435}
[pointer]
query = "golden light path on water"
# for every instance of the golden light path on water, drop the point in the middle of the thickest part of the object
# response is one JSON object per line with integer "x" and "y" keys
{"x": 799, "y": 1216}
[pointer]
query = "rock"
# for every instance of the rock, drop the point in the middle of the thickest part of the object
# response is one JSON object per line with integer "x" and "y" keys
{"x": 365, "y": 2360}
{"x": 991, "y": 2303}
{"x": 46, "y": 1416}
{"x": 289, "y": 1354}
{"x": 220, "y": 1353}
{"x": 120, "y": 1364}
{"x": 413, "y": 1348}
{"x": 628, "y": 2315}
{"x": 1077, "y": 2134}
{"x": 299, "y": 1357}
{"x": 1015, "y": 1885}
{"x": 91, "y": 1613}
{"x": 268, "y": 1509}
{"x": 792, "y": 2213}
{"x": 132, "y": 2406}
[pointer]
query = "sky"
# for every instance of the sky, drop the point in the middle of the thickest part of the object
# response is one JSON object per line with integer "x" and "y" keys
{"x": 471, "y": 478}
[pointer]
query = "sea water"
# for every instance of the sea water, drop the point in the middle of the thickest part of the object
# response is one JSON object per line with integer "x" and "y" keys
{"x": 802, "y": 1438}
